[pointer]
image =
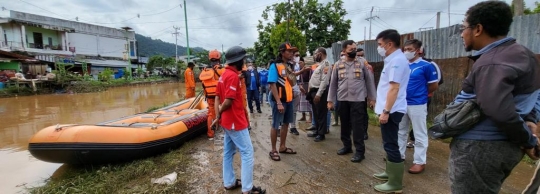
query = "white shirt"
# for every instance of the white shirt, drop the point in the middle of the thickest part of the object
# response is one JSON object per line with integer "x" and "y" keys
{"x": 396, "y": 69}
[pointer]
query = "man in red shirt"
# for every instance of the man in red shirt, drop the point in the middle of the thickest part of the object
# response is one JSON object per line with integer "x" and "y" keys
{"x": 230, "y": 112}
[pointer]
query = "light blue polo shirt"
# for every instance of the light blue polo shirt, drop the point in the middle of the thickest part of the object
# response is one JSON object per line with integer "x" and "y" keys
{"x": 422, "y": 74}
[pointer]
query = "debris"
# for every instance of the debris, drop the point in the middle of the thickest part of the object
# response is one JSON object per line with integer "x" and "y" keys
{"x": 167, "y": 179}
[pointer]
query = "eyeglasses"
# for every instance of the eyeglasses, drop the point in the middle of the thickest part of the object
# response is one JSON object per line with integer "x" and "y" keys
{"x": 463, "y": 27}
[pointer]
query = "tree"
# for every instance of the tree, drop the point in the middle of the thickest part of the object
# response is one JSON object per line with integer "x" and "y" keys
{"x": 527, "y": 10}
{"x": 322, "y": 24}
{"x": 263, "y": 51}
{"x": 250, "y": 52}
{"x": 154, "y": 61}
{"x": 279, "y": 36}
{"x": 203, "y": 57}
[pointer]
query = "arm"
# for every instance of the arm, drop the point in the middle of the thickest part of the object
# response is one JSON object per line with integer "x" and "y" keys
{"x": 216, "y": 107}
{"x": 493, "y": 85}
{"x": 433, "y": 86}
{"x": 370, "y": 83}
{"x": 332, "y": 90}
{"x": 391, "y": 96}
{"x": 225, "y": 105}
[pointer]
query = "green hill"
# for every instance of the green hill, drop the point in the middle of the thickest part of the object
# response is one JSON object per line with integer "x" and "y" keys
{"x": 149, "y": 47}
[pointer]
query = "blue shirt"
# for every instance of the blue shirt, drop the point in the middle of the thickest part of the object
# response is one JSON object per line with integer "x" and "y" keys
{"x": 263, "y": 75}
{"x": 422, "y": 74}
{"x": 253, "y": 85}
{"x": 272, "y": 74}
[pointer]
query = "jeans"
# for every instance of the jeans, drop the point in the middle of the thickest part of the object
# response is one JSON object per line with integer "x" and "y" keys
{"x": 253, "y": 95}
{"x": 389, "y": 133}
{"x": 416, "y": 115}
{"x": 241, "y": 140}
{"x": 264, "y": 90}
{"x": 481, "y": 166}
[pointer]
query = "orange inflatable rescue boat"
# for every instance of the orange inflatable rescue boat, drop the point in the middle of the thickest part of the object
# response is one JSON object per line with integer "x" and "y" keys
{"x": 125, "y": 139}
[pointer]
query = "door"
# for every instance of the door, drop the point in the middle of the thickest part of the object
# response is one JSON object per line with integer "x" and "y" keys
{"x": 50, "y": 43}
{"x": 38, "y": 40}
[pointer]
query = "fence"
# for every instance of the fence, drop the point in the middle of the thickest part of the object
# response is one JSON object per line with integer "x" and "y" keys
{"x": 445, "y": 47}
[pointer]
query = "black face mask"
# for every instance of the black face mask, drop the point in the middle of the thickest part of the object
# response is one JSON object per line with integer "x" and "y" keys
{"x": 352, "y": 54}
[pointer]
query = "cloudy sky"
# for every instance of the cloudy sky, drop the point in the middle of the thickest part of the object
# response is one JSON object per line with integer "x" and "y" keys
{"x": 213, "y": 23}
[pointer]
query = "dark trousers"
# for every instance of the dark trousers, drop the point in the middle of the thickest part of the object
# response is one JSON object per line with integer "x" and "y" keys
{"x": 411, "y": 134}
{"x": 389, "y": 133}
{"x": 366, "y": 118}
{"x": 352, "y": 119}
{"x": 253, "y": 95}
{"x": 320, "y": 111}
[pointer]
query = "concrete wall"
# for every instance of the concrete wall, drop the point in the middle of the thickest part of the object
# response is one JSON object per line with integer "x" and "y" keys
{"x": 46, "y": 34}
{"x": 13, "y": 34}
{"x": 93, "y": 45}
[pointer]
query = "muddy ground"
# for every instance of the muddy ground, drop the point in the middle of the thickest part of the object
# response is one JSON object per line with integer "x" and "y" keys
{"x": 318, "y": 169}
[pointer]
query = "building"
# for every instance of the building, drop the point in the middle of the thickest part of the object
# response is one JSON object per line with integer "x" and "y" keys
{"x": 51, "y": 39}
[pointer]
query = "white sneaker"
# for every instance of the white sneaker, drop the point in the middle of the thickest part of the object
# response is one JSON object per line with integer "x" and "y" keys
{"x": 210, "y": 139}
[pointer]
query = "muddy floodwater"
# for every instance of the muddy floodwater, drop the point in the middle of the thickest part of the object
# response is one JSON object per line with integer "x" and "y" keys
{"x": 21, "y": 117}
{"x": 315, "y": 169}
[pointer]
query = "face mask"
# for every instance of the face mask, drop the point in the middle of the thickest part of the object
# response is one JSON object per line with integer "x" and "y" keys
{"x": 381, "y": 51}
{"x": 352, "y": 54}
{"x": 296, "y": 59}
{"x": 250, "y": 68}
{"x": 342, "y": 57}
{"x": 410, "y": 55}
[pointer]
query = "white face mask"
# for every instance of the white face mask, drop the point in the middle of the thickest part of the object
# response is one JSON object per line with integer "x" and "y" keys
{"x": 410, "y": 55}
{"x": 250, "y": 68}
{"x": 343, "y": 57}
{"x": 381, "y": 51}
{"x": 296, "y": 59}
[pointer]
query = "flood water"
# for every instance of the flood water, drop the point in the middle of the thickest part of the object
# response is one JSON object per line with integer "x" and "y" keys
{"x": 21, "y": 117}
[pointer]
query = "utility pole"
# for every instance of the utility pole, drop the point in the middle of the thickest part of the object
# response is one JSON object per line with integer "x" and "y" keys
{"x": 176, "y": 42}
{"x": 288, "y": 13}
{"x": 364, "y": 36}
{"x": 369, "y": 19}
{"x": 519, "y": 7}
{"x": 438, "y": 19}
{"x": 449, "y": 14}
{"x": 222, "y": 55}
{"x": 187, "y": 35}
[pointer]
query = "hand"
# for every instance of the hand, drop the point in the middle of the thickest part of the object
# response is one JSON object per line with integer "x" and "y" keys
{"x": 371, "y": 104}
{"x": 532, "y": 152}
{"x": 383, "y": 118}
{"x": 302, "y": 90}
{"x": 330, "y": 106}
{"x": 317, "y": 99}
{"x": 533, "y": 128}
{"x": 369, "y": 67}
{"x": 280, "y": 108}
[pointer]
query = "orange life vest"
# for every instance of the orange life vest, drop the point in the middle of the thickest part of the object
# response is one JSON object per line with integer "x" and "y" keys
{"x": 210, "y": 78}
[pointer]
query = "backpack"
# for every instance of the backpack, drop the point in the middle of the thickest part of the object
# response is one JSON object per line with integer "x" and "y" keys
{"x": 456, "y": 119}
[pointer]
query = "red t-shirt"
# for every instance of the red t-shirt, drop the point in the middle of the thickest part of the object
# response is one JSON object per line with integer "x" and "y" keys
{"x": 229, "y": 86}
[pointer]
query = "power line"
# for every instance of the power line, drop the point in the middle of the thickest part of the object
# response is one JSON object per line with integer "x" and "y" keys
{"x": 428, "y": 21}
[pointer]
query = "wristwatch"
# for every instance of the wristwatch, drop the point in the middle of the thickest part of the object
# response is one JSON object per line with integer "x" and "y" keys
{"x": 384, "y": 111}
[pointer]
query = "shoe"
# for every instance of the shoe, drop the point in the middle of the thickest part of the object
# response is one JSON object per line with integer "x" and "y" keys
{"x": 312, "y": 134}
{"x": 357, "y": 158}
{"x": 250, "y": 111}
{"x": 395, "y": 178}
{"x": 410, "y": 144}
{"x": 259, "y": 111}
{"x": 267, "y": 102}
{"x": 327, "y": 130}
{"x": 294, "y": 131}
{"x": 302, "y": 119}
{"x": 335, "y": 124}
{"x": 312, "y": 128}
{"x": 319, "y": 138}
{"x": 344, "y": 151}
{"x": 210, "y": 139}
{"x": 417, "y": 168}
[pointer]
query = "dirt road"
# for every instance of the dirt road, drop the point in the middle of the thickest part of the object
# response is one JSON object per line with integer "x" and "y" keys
{"x": 318, "y": 169}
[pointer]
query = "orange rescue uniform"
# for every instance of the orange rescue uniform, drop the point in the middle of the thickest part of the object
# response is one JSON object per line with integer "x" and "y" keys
{"x": 190, "y": 83}
{"x": 210, "y": 77}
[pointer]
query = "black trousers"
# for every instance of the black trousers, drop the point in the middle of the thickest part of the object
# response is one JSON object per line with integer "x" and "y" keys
{"x": 353, "y": 117}
{"x": 366, "y": 118}
{"x": 320, "y": 111}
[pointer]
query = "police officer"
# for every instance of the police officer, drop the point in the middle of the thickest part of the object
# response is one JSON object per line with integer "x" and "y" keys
{"x": 352, "y": 82}
{"x": 318, "y": 94}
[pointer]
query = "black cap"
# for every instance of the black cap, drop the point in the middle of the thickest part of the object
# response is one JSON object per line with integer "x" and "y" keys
{"x": 287, "y": 46}
{"x": 234, "y": 54}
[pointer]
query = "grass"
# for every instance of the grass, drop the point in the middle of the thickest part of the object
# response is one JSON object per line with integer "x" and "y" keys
{"x": 133, "y": 177}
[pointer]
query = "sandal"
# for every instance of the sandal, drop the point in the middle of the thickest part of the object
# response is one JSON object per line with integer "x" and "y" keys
{"x": 287, "y": 151}
{"x": 237, "y": 184}
{"x": 275, "y": 156}
{"x": 257, "y": 190}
